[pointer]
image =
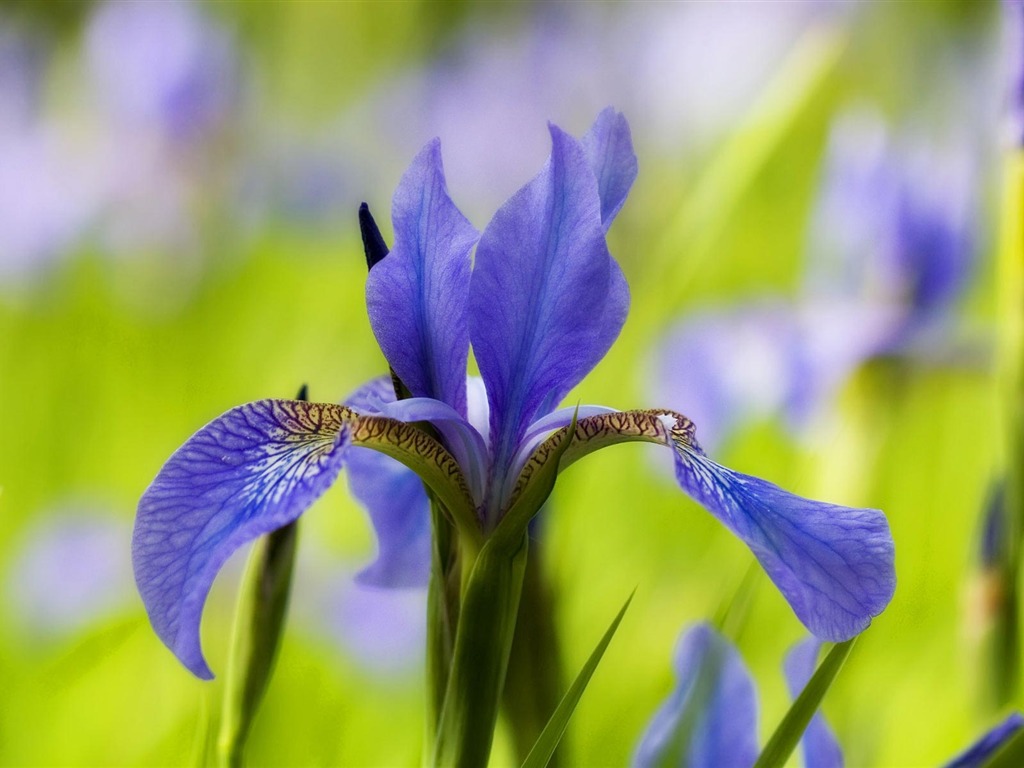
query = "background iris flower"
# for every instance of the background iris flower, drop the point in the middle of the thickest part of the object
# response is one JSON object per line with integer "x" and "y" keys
{"x": 891, "y": 249}
{"x": 711, "y": 717}
{"x": 542, "y": 305}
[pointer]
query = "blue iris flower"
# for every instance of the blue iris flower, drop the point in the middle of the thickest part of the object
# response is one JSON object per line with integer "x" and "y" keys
{"x": 710, "y": 719}
{"x": 541, "y": 303}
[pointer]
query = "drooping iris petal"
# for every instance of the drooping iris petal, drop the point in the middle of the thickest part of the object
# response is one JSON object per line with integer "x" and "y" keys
{"x": 980, "y": 751}
{"x": 820, "y": 748}
{"x": 609, "y": 149}
{"x": 416, "y": 296}
{"x": 710, "y": 720}
{"x": 248, "y": 472}
{"x": 398, "y": 507}
{"x": 543, "y": 306}
{"x": 833, "y": 564}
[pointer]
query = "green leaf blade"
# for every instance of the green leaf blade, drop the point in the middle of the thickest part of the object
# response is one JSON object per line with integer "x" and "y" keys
{"x": 787, "y": 734}
{"x": 552, "y": 734}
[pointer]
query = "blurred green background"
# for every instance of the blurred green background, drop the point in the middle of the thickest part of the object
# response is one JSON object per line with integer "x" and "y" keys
{"x": 178, "y": 187}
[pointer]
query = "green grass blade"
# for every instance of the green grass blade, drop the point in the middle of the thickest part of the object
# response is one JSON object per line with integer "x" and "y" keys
{"x": 787, "y": 735}
{"x": 718, "y": 192}
{"x": 548, "y": 740}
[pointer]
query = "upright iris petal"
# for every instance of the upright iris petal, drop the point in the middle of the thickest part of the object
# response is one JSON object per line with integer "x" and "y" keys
{"x": 544, "y": 307}
{"x": 416, "y": 297}
{"x": 609, "y": 150}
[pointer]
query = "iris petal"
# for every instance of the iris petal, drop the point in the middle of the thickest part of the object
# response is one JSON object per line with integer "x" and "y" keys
{"x": 395, "y": 500}
{"x": 248, "y": 472}
{"x": 416, "y": 296}
{"x": 833, "y": 564}
{"x": 609, "y": 149}
{"x": 711, "y": 717}
{"x": 820, "y": 748}
{"x": 546, "y": 300}
{"x": 397, "y": 504}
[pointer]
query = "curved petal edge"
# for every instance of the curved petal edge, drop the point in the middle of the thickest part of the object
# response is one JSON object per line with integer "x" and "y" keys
{"x": 833, "y": 564}
{"x": 246, "y": 473}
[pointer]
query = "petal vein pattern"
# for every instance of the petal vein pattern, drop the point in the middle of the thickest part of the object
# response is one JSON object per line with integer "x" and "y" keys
{"x": 833, "y": 564}
{"x": 249, "y": 472}
{"x": 545, "y": 303}
{"x": 416, "y": 296}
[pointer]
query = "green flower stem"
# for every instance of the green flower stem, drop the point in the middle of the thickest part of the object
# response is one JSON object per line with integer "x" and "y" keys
{"x": 483, "y": 642}
{"x": 443, "y": 599}
{"x": 533, "y": 685}
{"x": 259, "y": 622}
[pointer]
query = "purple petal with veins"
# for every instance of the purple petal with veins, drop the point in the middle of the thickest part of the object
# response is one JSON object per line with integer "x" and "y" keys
{"x": 246, "y": 473}
{"x": 833, "y": 564}
{"x": 416, "y": 296}
{"x": 546, "y": 300}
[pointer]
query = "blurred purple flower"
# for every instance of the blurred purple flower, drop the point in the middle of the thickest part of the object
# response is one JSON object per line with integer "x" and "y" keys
{"x": 710, "y": 720}
{"x": 292, "y": 181}
{"x": 167, "y": 86}
{"x": 1013, "y": 43}
{"x": 162, "y": 65}
{"x": 142, "y": 167}
{"x": 730, "y": 366}
{"x": 893, "y": 228}
{"x": 692, "y": 69}
{"x": 45, "y": 199}
{"x": 72, "y": 569}
{"x": 819, "y": 744}
{"x": 891, "y": 249}
{"x": 22, "y": 66}
{"x": 384, "y": 630}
